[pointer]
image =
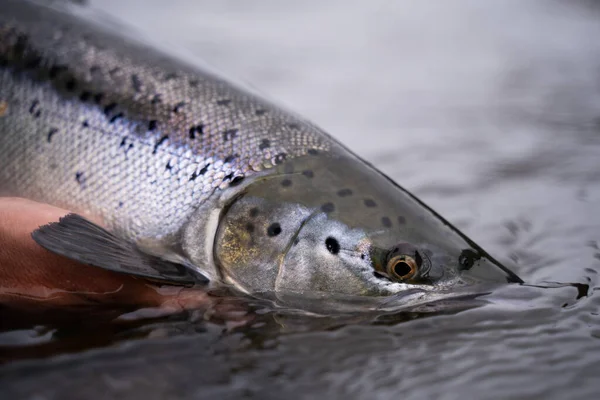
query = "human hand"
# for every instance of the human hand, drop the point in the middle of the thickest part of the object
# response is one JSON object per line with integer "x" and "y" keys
{"x": 34, "y": 279}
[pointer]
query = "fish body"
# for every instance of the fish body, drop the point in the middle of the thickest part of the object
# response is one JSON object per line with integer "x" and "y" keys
{"x": 189, "y": 173}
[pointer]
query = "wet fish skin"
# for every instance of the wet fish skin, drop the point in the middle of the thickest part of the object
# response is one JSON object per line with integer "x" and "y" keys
{"x": 96, "y": 111}
{"x": 164, "y": 153}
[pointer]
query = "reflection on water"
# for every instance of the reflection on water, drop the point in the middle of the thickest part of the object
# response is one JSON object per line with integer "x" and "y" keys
{"x": 487, "y": 111}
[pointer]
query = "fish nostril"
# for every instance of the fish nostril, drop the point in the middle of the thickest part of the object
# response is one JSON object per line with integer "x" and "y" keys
{"x": 467, "y": 259}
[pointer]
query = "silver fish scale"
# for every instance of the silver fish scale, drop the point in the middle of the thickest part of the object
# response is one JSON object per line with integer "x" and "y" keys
{"x": 122, "y": 133}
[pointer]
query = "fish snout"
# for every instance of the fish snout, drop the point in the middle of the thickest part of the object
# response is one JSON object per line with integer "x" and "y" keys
{"x": 475, "y": 267}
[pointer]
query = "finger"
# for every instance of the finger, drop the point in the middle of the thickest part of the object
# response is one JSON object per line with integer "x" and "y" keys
{"x": 33, "y": 276}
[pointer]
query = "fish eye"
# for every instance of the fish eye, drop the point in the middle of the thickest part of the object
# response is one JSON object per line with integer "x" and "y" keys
{"x": 402, "y": 267}
{"x": 333, "y": 246}
{"x": 405, "y": 263}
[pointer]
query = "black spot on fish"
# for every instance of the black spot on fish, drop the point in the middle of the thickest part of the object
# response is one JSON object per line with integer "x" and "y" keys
{"x": 136, "y": 83}
{"x": 201, "y": 172}
{"x": 85, "y": 96}
{"x": 85, "y": 124}
{"x": 34, "y": 106}
{"x": 116, "y": 117}
{"x": 120, "y": 205}
{"x": 308, "y": 173}
{"x": 236, "y": 180}
{"x": 385, "y": 221}
{"x": 194, "y": 82}
{"x": 168, "y": 167}
{"x": 264, "y": 144}
{"x": 170, "y": 76}
{"x": 124, "y": 144}
{"x": 229, "y": 134}
{"x": 370, "y": 203}
{"x": 230, "y": 158}
{"x": 328, "y": 207}
{"x": 286, "y": 183}
{"x": 224, "y": 102}
{"x": 156, "y": 99}
{"x": 250, "y": 227}
{"x": 51, "y": 133}
{"x": 98, "y": 98}
{"x": 199, "y": 129}
{"x": 260, "y": 112}
{"x": 293, "y": 125}
{"x": 344, "y": 192}
{"x": 178, "y": 106}
{"x": 253, "y": 212}
{"x": 194, "y": 176}
{"x": 274, "y": 229}
{"x": 160, "y": 142}
{"x": 152, "y": 125}
{"x": 279, "y": 158}
{"x": 332, "y": 245}
{"x": 80, "y": 178}
{"x": 71, "y": 85}
{"x": 401, "y": 220}
{"x": 312, "y": 152}
{"x": 204, "y": 169}
{"x": 110, "y": 108}
{"x": 228, "y": 176}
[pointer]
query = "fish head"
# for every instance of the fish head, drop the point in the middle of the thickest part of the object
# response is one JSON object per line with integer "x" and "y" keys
{"x": 331, "y": 224}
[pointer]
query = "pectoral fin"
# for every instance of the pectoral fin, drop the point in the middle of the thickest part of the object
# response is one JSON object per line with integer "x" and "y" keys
{"x": 79, "y": 239}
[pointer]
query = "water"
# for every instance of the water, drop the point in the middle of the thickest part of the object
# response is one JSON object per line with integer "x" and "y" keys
{"x": 488, "y": 111}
